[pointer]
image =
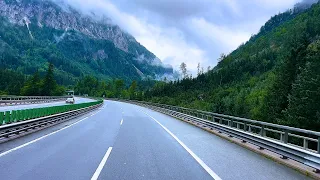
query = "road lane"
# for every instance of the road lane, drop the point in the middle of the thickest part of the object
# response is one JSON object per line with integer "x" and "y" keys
{"x": 141, "y": 149}
{"x": 77, "y": 152}
{"x": 101, "y": 165}
{"x": 72, "y": 153}
{"x": 144, "y": 150}
{"x": 78, "y": 100}
{"x": 228, "y": 160}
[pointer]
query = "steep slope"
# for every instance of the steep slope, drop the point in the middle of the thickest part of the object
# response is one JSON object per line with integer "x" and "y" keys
{"x": 281, "y": 18}
{"x": 33, "y": 32}
{"x": 256, "y": 79}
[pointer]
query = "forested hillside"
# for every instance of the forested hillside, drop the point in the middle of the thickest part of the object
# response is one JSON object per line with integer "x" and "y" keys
{"x": 274, "y": 77}
{"x": 33, "y": 33}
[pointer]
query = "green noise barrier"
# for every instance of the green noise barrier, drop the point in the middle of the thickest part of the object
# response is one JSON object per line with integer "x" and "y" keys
{"x": 26, "y": 114}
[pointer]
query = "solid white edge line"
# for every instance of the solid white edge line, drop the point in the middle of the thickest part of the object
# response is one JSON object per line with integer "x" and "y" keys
{"x": 205, "y": 167}
{"x": 121, "y": 121}
{"x": 101, "y": 165}
{"x": 35, "y": 140}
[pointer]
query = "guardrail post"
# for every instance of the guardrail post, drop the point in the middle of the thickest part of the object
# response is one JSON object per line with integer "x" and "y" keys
{"x": 305, "y": 143}
{"x": 262, "y": 131}
{"x": 319, "y": 145}
{"x": 285, "y": 136}
{"x": 245, "y": 126}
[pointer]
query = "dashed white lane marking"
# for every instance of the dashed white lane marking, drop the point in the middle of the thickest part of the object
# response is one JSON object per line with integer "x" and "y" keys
{"x": 206, "y": 167}
{"x": 101, "y": 165}
{"x": 42, "y": 137}
{"x": 121, "y": 121}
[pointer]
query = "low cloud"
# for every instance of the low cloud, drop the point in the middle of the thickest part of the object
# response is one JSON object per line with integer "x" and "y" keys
{"x": 187, "y": 31}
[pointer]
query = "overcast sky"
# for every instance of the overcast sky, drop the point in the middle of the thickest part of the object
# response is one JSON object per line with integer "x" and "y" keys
{"x": 189, "y": 31}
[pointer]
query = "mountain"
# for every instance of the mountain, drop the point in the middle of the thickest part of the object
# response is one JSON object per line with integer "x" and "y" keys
{"x": 281, "y": 18}
{"x": 33, "y": 32}
{"x": 274, "y": 77}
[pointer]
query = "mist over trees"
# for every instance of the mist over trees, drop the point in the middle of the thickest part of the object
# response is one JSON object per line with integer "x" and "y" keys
{"x": 305, "y": 4}
{"x": 274, "y": 77}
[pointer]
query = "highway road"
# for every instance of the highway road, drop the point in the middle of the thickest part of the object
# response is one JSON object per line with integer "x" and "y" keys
{"x": 29, "y": 106}
{"x": 124, "y": 141}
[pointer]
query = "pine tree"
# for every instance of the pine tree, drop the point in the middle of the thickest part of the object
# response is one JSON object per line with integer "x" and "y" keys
{"x": 33, "y": 86}
{"x": 36, "y": 84}
{"x": 198, "y": 67}
{"x": 119, "y": 85}
{"x": 277, "y": 98}
{"x": 304, "y": 101}
{"x": 183, "y": 68}
{"x": 132, "y": 90}
{"x": 49, "y": 84}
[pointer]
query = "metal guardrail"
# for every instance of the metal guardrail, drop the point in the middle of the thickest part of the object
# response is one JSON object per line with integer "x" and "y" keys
{"x": 14, "y": 116}
{"x": 12, "y": 100}
{"x": 39, "y": 120}
{"x": 298, "y": 144}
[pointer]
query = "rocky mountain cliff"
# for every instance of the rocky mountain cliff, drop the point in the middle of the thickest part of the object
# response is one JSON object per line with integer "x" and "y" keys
{"x": 71, "y": 40}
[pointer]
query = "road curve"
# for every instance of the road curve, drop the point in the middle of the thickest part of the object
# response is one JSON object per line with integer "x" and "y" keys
{"x": 124, "y": 141}
{"x": 78, "y": 100}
